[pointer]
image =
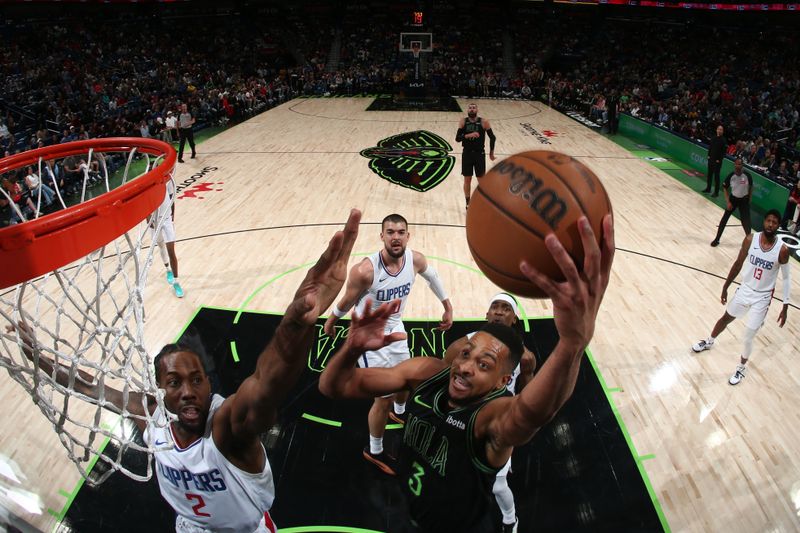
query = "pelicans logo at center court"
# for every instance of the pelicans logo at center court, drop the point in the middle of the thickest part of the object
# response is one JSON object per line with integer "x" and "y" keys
{"x": 418, "y": 160}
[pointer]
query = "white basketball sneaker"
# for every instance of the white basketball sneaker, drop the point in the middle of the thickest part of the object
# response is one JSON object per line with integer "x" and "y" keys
{"x": 701, "y": 345}
{"x": 738, "y": 375}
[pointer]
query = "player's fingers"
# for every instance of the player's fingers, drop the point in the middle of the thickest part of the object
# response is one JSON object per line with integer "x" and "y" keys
{"x": 608, "y": 243}
{"x": 549, "y": 287}
{"x": 350, "y": 233}
{"x": 591, "y": 250}
{"x": 562, "y": 259}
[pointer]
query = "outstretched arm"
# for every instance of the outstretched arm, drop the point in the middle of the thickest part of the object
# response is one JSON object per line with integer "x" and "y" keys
{"x": 341, "y": 378}
{"x": 783, "y": 260}
{"x": 81, "y": 381}
{"x": 357, "y": 284}
{"x": 253, "y": 408}
{"x": 511, "y": 422}
{"x": 736, "y": 267}
{"x": 430, "y": 275}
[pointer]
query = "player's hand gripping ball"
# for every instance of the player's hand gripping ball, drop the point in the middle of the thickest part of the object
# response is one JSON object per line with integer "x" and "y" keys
{"x": 522, "y": 199}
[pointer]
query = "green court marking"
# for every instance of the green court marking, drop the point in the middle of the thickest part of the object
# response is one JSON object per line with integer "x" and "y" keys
{"x": 320, "y": 420}
{"x": 646, "y": 457}
{"x": 326, "y": 529}
{"x": 626, "y": 434}
{"x": 614, "y": 389}
{"x": 242, "y": 308}
{"x": 70, "y": 496}
{"x": 234, "y": 352}
{"x": 189, "y": 322}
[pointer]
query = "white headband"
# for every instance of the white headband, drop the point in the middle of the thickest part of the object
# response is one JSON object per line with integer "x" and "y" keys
{"x": 507, "y": 298}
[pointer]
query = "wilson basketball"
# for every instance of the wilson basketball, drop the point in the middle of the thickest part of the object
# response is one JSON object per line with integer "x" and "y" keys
{"x": 522, "y": 199}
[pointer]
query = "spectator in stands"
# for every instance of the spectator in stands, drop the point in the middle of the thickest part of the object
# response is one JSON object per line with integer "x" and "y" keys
{"x": 716, "y": 152}
{"x": 171, "y": 131}
{"x": 791, "y": 206}
{"x": 37, "y": 188}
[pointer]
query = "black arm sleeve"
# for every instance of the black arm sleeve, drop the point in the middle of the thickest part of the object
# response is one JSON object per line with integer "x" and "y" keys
{"x": 459, "y": 135}
{"x": 492, "y": 139}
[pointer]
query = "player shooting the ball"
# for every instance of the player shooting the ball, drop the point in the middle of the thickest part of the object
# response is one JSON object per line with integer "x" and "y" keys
{"x": 462, "y": 423}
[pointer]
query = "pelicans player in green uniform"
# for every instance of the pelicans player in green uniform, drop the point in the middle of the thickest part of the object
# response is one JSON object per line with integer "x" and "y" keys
{"x": 472, "y": 133}
{"x": 462, "y": 422}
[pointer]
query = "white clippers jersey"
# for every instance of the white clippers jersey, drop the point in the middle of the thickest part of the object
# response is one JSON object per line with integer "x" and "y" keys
{"x": 387, "y": 287}
{"x": 761, "y": 266}
{"x": 514, "y": 375}
{"x": 166, "y": 204}
{"x": 204, "y": 488}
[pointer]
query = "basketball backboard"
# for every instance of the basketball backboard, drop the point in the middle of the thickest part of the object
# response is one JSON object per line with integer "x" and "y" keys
{"x": 416, "y": 42}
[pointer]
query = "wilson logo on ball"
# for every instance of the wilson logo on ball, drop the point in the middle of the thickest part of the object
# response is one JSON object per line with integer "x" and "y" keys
{"x": 543, "y": 201}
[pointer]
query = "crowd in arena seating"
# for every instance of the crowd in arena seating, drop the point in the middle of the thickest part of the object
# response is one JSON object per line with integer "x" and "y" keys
{"x": 754, "y": 94}
{"x": 93, "y": 77}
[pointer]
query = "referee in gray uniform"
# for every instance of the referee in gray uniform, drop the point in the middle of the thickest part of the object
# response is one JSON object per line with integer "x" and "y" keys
{"x": 185, "y": 123}
{"x": 738, "y": 186}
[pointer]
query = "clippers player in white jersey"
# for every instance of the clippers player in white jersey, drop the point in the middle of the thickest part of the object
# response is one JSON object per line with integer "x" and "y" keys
{"x": 503, "y": 309}
{"x": 385, "y": 276}
{"x": 210, "y": 463}
{"x": 166, "y": 237}
{"x": 764, "y": 255}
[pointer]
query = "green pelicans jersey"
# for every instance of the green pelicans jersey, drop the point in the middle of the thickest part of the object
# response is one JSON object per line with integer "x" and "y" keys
{"x": 474, "y": 145}
{"x": 443, "y": 471}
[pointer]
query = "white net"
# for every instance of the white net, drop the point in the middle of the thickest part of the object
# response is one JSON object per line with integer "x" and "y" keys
{"x": 74, "y": 337}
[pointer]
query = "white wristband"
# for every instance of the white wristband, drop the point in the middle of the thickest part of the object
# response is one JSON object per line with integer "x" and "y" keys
{"x": 338, "y": 313}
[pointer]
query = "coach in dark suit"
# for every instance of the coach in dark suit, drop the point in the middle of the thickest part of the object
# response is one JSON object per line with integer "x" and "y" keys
{"x": 716, "y": 151}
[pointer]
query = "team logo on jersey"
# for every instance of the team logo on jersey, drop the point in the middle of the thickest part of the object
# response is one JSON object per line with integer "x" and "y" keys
{"x": 418, "y": 160}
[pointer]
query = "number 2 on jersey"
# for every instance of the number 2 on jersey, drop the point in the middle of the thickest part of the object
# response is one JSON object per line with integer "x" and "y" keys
{"x": 757, "y": 272}
{"x": 415, "y": 481}
{"x": 200, "y": 503}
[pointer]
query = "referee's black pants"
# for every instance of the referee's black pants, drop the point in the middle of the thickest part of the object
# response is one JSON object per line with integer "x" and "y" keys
{"x": 743, "y": 205}
{"x": 185, "y": 134}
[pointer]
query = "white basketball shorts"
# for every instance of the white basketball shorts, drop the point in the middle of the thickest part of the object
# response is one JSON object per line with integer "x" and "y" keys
{"x": 756, "y": 302}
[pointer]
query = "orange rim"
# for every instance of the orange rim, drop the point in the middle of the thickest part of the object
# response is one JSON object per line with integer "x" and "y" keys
{"x": 31, "y": 249}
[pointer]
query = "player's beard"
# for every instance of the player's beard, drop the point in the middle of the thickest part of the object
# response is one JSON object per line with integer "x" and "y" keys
{"x": 393, "y": 254}
{"x": 472, "y": 114}
{"x": 770, "y": 234}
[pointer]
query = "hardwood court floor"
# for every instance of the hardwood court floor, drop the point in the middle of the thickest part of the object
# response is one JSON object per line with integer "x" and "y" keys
{"x": 718, "y": 457}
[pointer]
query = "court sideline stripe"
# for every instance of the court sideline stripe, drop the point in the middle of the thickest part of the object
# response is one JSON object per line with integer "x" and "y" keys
{"x": 623, "y": 428}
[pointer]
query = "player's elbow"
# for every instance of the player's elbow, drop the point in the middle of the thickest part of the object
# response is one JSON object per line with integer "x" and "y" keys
{"x": 327, "y": 386}
{"x": 332, "y": 387}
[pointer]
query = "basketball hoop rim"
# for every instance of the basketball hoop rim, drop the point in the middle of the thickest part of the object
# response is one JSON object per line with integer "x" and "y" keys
{"x": 33, "y": 248}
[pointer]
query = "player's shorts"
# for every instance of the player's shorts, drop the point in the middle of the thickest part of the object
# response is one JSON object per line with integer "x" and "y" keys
{"x": 473, "y": 161}
{"x": 167, "y": 230}
{"x": 756, "y": 302}
{"x": 388, "y": 356}
{"x": 182, "y": 525}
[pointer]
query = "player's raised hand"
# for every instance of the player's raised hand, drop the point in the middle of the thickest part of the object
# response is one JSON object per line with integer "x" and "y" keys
{"x": 576, "y": 301}
{"x": 326, "y": 278}
{"x": 367, "y": 331}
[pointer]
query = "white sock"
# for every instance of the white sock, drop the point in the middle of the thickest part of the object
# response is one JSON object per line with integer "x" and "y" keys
{"x": 175, "y": 280}
{"x": 711, "y": 339}
{"x": 399, "y": 408}
{"x": 375, "y": 445}
{"x": 505, "y": 499}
